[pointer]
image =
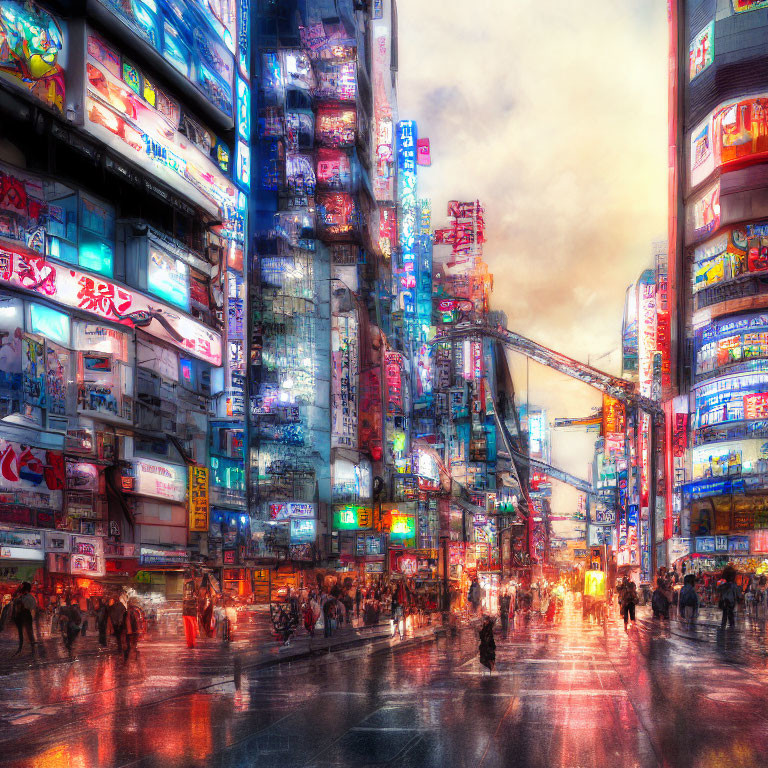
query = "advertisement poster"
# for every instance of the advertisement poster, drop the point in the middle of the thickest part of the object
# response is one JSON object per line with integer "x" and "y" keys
{"x": 705, "y": 213}
{"x": 735, "y": 133}
{"x": 87, "y": 558}
{"x": 33, "y": 370}
{"x": 199, "y": 507}
{"x": 109, "y": 301}
{"x": 702, "y": 50}
{"x": 56, "y": 378}
{"x": 156, "y": 479}
{"x": 33, "y": 51}
{"x": 31, "y": 477}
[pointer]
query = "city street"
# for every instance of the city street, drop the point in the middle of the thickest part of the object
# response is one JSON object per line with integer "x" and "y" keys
{"x": 570, "y": 694}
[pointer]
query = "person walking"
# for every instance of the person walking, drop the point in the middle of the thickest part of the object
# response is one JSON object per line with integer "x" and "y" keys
{"x": 358, "y": 600}
{"x": 688, "y": 602}
{"x": 23, "y": 608}
{"x": 134, "y": 621}
{"x": 474, "y": 596}
{"x": 117, "y": 613}
{"x": 660, "y": 601}
{"x": 329, "y": 616}
{"x": 729, "y": 593}
{"x": 102, "y": 621}
{"x": 71, "y": 624}
{"x": 505, "y": 602}
{"x": 487, "y": 645}
{"x": 189, "y": 613}
{"x": 628, "y": 600}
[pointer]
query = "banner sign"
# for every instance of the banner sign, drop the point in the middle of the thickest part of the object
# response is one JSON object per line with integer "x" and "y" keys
{"x": 199, "y": 506}
{"x": 105, "y": 299}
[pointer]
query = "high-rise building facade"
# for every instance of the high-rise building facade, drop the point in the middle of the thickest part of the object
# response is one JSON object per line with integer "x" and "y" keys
{"x": 123, "y": 219}
{"x": 718, "y": 260}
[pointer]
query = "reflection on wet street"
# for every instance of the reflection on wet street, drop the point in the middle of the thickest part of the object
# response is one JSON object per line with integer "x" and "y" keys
{"x": 567, "y": 694}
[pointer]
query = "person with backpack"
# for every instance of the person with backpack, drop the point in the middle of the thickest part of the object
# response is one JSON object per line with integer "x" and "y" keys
{"x": 729, "y": 593}
{"x": 134, "y": 626}
{"x": 23, "y": 608}
{"x": 628, "y": 600}
{"x": 688, "y": 601}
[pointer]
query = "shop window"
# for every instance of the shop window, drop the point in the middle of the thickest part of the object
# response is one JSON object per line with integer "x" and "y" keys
{"x": 104, "y": 375}
{"x": 11, "y": 332}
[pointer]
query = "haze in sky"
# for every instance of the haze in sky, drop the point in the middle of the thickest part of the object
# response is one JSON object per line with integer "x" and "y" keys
{"x": 553, "y": 114}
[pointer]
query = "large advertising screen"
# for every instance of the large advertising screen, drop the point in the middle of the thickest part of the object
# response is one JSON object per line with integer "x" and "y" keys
{"x": 133, "y": 116}
{"x": 196, "y": 37}
{"x": 731, "y": 399}
{"x": 731, "y": 341}
{"x": 109, "y": 301}
{"x": 33, "y": 51}
{"x": 734, "y": 134}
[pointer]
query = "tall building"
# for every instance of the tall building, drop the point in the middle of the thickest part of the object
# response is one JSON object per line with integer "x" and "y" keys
{"x": 123, "y": 219}
{"x": 718, "y": 258}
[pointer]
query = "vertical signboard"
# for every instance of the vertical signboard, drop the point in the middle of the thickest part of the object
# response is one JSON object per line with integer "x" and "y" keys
{"x": 199, "y": 507}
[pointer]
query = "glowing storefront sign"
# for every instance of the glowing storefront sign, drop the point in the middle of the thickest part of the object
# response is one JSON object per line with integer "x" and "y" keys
{"x": 287, "y": 510}
{"x": 109, "y": 301}
{"x": 303, "y": 531}
{"x": 352, "y": 518}
{"x": 134, "y": 117}
{"x": 199, "y": 503}
{"x": 156, "y": 479}
{"x": 168, "y": 277}
{"x": 702, "y": 51}
{"x": 33, "y": 51}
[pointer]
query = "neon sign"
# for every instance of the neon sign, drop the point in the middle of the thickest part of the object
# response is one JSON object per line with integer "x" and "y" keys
{"x": 109, "y": 301}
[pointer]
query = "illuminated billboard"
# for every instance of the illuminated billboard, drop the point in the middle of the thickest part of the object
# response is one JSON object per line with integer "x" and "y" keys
{"x": 28, "y": 271}
{"x": 730, "y": 399}
{"x": 154, "y": 478}
{"x": 702, "y": 50}
{"x": 133, "y": 116}
{"x": 352, "y": 518}
{"x": 733, "y": 135}
{"x": 33, "y": 51}
{"x": 731, "y": 341}
{"x": 741, "y": 6}
{"x": 383, "y": 100}
{"x": 704, "y": 213}
{"x": 197, "y": 38}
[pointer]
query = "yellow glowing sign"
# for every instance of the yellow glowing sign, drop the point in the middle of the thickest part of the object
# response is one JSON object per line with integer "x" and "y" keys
{"x": 594, "y": 583}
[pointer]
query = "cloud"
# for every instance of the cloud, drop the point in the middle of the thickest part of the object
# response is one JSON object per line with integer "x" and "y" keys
{"x": 553, "y": 114}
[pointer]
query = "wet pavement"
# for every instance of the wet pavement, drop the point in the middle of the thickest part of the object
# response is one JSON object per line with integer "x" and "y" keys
{"x": 569, "y": 694}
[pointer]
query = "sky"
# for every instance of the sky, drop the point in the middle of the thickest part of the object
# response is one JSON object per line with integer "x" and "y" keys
{"x": 552, "y": 114}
